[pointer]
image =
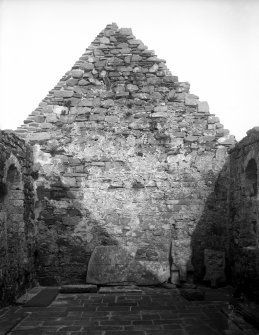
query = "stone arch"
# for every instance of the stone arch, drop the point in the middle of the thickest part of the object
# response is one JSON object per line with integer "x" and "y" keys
{"x": 14, "y": 204}
{"x": 13, "y": 207}
{"x": 251, "y": 178}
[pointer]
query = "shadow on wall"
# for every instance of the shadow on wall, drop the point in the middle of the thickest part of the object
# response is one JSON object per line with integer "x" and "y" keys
{"x": 62, "y": 257}
{"x": 15, "y": 263}
{"x": 211, "y": 231}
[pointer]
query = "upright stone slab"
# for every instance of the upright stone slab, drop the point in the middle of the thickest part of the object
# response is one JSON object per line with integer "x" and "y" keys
{"x": 214, "y": 261}
{"x": 110, "y": 265}
{"x": 125, "y": 155}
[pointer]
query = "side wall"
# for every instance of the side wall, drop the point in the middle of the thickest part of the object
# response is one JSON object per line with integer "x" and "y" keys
{"x": 16, "y": 218}
{"x": 244, "y": 209}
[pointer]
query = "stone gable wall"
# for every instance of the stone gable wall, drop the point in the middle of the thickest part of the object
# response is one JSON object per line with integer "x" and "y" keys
{"x": 17, "y": 233}
{"x": 126, "y": 156}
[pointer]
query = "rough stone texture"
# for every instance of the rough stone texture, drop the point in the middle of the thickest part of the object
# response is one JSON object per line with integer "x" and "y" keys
{"x": 192, "y": 294}
{"x": 126, "y": 157}
{"x": 17, "y": 235}
{"x": 244, "y": 210}
{"x": 214, "y": 262}
{"x": 113, "y": 264}
{"x": 78, "y": 289}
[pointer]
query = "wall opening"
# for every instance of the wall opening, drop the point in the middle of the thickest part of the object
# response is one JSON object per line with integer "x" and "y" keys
{"x": 251, "y": 178}
{"x": 13, "y": 177}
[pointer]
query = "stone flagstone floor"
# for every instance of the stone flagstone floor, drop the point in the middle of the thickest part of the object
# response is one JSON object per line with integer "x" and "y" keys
{"x": 153, "y": 311}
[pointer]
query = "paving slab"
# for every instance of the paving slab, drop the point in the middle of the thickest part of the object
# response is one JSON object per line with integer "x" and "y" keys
{"x": 120, "y": 289}
{"x": 78, "y": 289}
{"x": 43, "y": 298}
{"x": 148, "y": 311}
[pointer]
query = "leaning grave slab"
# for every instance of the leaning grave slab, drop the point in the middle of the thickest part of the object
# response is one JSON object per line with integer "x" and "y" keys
{"x": 124, "y": 156}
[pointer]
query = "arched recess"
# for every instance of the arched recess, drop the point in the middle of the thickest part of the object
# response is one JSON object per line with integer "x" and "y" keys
{"x": 251, "y": 178}
{"x": 13, "y": 206}
{"x": 251, "y": 202}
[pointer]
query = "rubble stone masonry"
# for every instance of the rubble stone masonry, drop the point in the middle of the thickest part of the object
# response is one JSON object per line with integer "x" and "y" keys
{"x": 244, "y": 209}
{"x": 17, "y": 234}
{"x": 125, "y": 156}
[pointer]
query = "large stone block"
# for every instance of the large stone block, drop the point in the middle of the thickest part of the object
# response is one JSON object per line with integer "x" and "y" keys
{"x": 116, "y": 265}
{"x": 215, "y": 266}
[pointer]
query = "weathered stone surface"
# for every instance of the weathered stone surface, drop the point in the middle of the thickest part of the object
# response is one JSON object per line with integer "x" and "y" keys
{"x": 77, "y": 73}
{"x": 190, "y": 101}
{"x": 104, "y": 40}
{"x": 78, "y": 289}
{"x": 64, "y": 94}
{"x": 214, "y": 261}
{"x": 160, "y": 109}
{"x": 244, "y": 213}
{"x": 114, "y": 264}
{"x": 203, "y": 107}
{"x": 120, "y": 289}
{"x": 132, "y": 88}
{"x": 126, "y": 156}
{"x": 17, "y": 234}
{"x": 192, "y": 294}
{"x": 125, "y": 31}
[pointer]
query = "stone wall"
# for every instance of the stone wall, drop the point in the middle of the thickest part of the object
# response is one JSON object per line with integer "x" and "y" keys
{"x": 126, "y": 157}
{"x": 16, "y": 218}
{"x": 244, "y": 208}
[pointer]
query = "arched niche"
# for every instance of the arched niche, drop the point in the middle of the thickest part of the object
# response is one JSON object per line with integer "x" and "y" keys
{"x": 14, "y": 208}
{"x": 251, "y": 178}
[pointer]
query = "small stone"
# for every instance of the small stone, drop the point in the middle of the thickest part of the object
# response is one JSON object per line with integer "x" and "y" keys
{"x": 189, "y": 101}
{"x": 125, "y": 50}
{"x": 122, "y": 45}
{"x": 228, "y": 140}
{"x": 88, "y": 66}
{"x": 125, "y": 31}
{"x": 111, "y": 119}
{"x": 72, "y": 82}
{"x": 133, "y": 41}
{"x": 171, "y": 95}
{"x": 82, "y": 110}
{"x": 86, "y": 103}
{"x": 203, "y": 107}
{"x": 51, "y": 118}
{"x": 96, "y": 117}
{"x": 179, "y": 97}
{"x": 208, "y": 138}
{"x": 135, "y": 58}
{"x": 159, "y": 114}
{"x": 83, "y": 82}
{"x": 155, "y": 59}
{"x": 63, "y": 94}
{"x": 132, "y": 88}
{"x": 107, "y": 103}
{"x": 154, "y": 68}
{"x": 77, "y": 73}
{"x": 160, "y": 109}
{"x": 127, "y": 59}
{"x": 104, "y": 40}
{"x": 213, "y": 119}
{"x": 191, "y": 138}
